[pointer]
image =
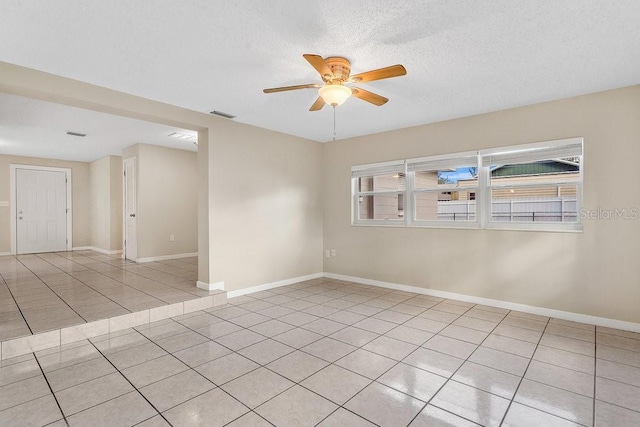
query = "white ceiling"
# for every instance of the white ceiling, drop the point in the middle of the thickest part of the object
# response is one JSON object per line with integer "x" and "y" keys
{"x": 462, "y": 57}
{"x": 39, "y": 129}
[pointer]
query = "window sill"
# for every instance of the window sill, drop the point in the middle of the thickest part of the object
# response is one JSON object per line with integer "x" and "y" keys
{"x": 574, "y": 228}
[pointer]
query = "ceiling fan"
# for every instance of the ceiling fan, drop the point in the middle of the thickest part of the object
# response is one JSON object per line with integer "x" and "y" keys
{"x": 334, "y": 72}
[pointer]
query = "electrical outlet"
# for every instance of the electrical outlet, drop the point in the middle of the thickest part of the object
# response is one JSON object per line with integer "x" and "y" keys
{"x": 172, "y": 238}
{"x": 327, "y": 253}
{"x": 333, "y": 252}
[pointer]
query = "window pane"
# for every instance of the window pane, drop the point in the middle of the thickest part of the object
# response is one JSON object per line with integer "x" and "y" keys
{"x": 385, "y": 207}
{"x": 445, "y": 206}
{"x": 391, "y": 182}
{"x": 523, "y": 201}
{"x": 535, "y": 204}
{"x": 466, "y": 176}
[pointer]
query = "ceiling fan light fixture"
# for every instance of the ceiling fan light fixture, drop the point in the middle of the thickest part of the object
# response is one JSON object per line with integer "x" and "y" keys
{"x": 334, "y": 94}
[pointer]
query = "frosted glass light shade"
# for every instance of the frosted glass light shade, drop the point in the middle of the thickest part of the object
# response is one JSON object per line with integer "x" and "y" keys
{"x": 334, "y": 95}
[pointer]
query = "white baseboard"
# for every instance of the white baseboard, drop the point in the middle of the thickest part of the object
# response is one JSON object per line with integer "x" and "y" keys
{"x": 96, "y": 249}
{"x": 558, "y": 314}
{"x": 272, "y": 285}
{"x": 166, "y": 257}
{"x": 210, "y": 286}
{"x": 5, "y": 253}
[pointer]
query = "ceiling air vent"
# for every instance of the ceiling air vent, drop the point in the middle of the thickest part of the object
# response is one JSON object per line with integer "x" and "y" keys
{"x": 76, "y": 133}
{"x": 221, "y": 114}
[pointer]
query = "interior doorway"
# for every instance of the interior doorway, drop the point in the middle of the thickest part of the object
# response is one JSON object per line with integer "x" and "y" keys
{"x": 130, "y": 226}
{"x": 41, "y": 209}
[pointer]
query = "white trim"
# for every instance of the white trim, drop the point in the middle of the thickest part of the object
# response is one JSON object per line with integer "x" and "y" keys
{"x": 549, "y": 312}
{"x": 96, "y": 249}
{"x": 267, "y": 286}
{"x": 166, "y": 257}
{"x": 12, "y": 201}
{"x": 5, "y": 253}
{"x": 377, "y": 165}
{"x": 440, "y": 157}
{"x": 532, "y": 146}
{"x": 124, "y": 203}
{"x": 210, "y": 286}
{"x": 561, "y": 227}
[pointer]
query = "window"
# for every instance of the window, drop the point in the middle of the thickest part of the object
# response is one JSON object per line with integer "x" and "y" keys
{"x": 443, "y": 190}
{"x": 378, "y": 195}
{"x": 531, "y": 187}
{"x": 536, "y": 186}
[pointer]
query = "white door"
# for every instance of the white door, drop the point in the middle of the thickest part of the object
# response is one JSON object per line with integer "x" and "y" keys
{"x": 41, "y": 211}
{"x": 130, "y": 210}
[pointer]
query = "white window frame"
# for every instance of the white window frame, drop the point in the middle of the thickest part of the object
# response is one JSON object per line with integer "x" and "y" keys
{"x": 435, "y": 163}
{"x": 570, "y": 147}
{"x": 372, "y": 170}
{"x": 560, "y": 148}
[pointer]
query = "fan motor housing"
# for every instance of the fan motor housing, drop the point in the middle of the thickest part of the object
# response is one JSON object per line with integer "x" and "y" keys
{"x": 340, "y": 67}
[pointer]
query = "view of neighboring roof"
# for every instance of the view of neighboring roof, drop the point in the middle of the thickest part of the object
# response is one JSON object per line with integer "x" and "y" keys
{"x": 537, "y": 168}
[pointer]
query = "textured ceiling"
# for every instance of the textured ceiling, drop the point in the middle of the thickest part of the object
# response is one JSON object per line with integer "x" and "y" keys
{"x": 462, "y": 57}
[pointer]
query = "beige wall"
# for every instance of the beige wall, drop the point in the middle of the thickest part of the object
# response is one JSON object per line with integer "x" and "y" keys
{"x": 99, "y": 194}
{"x": 79, "y": 194}
{"x": 167, "y": 200}
{"x": 116, "y": 202}
{"x": 105, "y": 192}
{"x": 267, "y": 212}
{"x": 594, "y": 272}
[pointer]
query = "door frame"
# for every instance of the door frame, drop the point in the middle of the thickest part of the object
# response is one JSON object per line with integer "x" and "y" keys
{"x": 13, "y": 169}
{"x": 124, "y": 204}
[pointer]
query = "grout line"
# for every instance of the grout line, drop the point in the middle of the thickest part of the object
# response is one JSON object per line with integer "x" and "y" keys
{"x": 74, "y": 278}
{"x": 360, "y": 347}
{"x": 48, "y": 287}
{"x": 51, "y": 390}
{"x": 134, "y": 387}
{"x": 121, "y": 267}
{"x": 251, "y": 411}
{"x": 449, "y": 378}
{"x": 24, "y": 319}
{"x": 111, "y": 278}
{"x": 190, "y": 368}
{"x": 523, "y": 375}
{"x": 265, "y": 365}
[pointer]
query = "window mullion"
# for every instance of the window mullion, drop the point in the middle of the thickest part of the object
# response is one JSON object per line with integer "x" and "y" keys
{"x": 483, "y": 197}
{"x": 409, "y": 205}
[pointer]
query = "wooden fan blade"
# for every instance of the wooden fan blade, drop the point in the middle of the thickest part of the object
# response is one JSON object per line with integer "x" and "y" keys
{"x": 285, "y": 88}
{"x": 321, "y": 67}
{"x": 379, "y": 74}
{"x": 317, "y": 105}
{"x": 371, "y": 97}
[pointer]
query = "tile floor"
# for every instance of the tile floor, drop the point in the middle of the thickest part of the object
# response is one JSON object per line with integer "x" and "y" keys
{"x": 333, "y": 353}
{"x": 51, "y": 291}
